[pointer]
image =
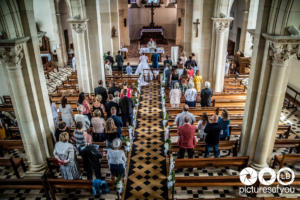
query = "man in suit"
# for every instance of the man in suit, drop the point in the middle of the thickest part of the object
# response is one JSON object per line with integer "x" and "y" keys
{"x": 102, "y": 91}
{"x": 110, "y": 58}
{"x": 155, "y": 59}
{"x": 119, "y": 60}
{"x": 167, "y": 61}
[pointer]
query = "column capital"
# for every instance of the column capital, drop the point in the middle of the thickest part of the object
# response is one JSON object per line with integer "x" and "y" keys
{"x": 78, "y": 25}
{"x": 11, "y": 52}
{"x": 282, "y": 48}
{"x": 222, "y": 24}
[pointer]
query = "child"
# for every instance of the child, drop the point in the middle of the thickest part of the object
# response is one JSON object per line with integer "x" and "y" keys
{"x": 128, "y": 69}
{"x": 116, "y": 159}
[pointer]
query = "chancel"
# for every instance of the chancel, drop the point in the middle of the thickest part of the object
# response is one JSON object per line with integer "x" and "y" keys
{"x": 149, "y": 99}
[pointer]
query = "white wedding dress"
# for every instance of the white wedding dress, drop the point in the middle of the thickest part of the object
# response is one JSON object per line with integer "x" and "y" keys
{"x": 143, "y": 69}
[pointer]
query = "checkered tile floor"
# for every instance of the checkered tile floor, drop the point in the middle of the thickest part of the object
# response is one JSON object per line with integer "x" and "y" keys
{"x": 147, "y": 170}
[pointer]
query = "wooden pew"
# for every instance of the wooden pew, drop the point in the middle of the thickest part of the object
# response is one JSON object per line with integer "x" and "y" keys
{"x": 240, "y": 162}
{"x": 73, "y": 185}
{"x": 53, "y": 165}
{"x": 23, "y": 184}
{"x": 208, "y": 110}
{"x": 229, "y": 145}
{"x": 10, "y": 145}
{"x": 234, "y": 119}
{"x": 15, "y": 163}
{"x": 288, "y": 144}
{"x": 286, "y": 158}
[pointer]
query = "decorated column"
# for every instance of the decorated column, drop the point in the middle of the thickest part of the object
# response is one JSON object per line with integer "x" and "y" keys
{"x": 220, "y": 40}
{"x": 14, "y": 59}
{"x": 280, "y": 49}
{"x": 84, "y": 72}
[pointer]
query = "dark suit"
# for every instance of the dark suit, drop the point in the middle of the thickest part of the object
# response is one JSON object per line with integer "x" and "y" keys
{"x": 120, "y": 60}
{"x": 155, "y": 59}
{"x": 103, "y": 92}
{"x": 111, "y": 60}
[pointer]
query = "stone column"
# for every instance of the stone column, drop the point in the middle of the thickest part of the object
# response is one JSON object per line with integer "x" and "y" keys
{"x": 188, "y": 24}
{"x": 280, "y": 49}
{"x": 197, "y": 31}
{"x": 123, "y": 16}
{"x": 79, "y": 27}
{"x": 114, "y": 9}
{"x": 243, "y": 31}
{"x": 12, "y": 57}
{"x": 105, "y": 18}
{"x": 62, "y": 43}
{"x": 180, "y": 19}
{"x": 220, "y": 40}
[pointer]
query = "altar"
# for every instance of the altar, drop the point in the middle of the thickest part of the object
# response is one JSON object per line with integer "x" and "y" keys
{"x": 149, "y": 51}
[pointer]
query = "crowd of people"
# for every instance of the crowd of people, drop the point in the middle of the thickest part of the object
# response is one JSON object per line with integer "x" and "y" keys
{"x": 185, "y": 79}
{"x": 210, "y": 129}
{"x": 100, "y": 120}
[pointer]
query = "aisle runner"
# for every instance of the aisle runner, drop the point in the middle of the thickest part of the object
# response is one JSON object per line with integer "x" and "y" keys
{"x": 147, "y": 170}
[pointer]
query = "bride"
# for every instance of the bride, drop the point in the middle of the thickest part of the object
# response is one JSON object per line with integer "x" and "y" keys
{"x": 144, "y": 69}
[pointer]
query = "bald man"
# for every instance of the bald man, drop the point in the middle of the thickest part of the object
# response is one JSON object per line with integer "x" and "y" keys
{"x": 179, "y": 120}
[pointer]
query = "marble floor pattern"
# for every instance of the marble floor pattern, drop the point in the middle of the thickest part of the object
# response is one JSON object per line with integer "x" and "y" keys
{"x": 147, "y": 169}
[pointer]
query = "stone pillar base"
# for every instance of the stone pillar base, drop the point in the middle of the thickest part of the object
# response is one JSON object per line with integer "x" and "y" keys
{"x": 257, "y": 166}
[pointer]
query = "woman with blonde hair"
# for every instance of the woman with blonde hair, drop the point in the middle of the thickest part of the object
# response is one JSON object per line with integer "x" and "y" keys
{"x": 64, "y": 153}
{"x": 98, "y": 123}
{"x": 111, "y": 132}
{"x": 97, "y": 105}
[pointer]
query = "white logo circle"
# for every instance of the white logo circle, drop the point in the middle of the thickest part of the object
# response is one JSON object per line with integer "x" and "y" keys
{"x": 287, "y": 172}
{"x": 262, "y": 179}
{"x": 248, "y": 171}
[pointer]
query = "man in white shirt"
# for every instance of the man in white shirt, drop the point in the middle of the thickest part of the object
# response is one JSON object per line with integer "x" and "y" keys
{"x": 82, "y": 118}
{"x": 191, "y": 95}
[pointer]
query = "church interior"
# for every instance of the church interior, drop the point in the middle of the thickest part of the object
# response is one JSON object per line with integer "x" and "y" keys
{"x": 149, "y": 99}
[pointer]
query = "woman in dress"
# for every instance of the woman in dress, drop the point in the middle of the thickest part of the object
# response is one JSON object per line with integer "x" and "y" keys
{"x": 111, "y": 132}
{"x": 175, "y": 95}
{"x": 116, "y": 159}
{"x": 98, "y": 123}
{"x": 54, "y": 113}
{"x": 143, "y": 69}
{"x": 97, "y": 105}
{"x": 83, "y": 101}
{"x": 64, "y": 153}
{"x": 197, "y": 81}
{"x": 184, "y": 80}
{"x": 224, "y": 123}
{"x": 201, "y": 126}
{"x": 66, "y": 112}
{"x": 107, "y": 67}
{"x": 127, "y": 89}
{"x": 174, "y": 78}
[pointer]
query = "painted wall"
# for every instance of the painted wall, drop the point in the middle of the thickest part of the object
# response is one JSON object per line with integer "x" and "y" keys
{"x": 139, "y": 17}
{"x": 64, "y": 14}
{"x": 237, "y": 14}
{"x": 43, "y": 17}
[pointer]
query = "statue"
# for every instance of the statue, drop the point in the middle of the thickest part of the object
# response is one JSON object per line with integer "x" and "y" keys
{"x": 113, "y": 32}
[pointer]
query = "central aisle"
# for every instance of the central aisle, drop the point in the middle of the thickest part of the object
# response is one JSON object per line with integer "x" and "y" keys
{"x": 147, "y": 170}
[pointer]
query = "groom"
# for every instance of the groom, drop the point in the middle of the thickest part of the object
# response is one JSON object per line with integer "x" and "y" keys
{"x": 155, "y": 59}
